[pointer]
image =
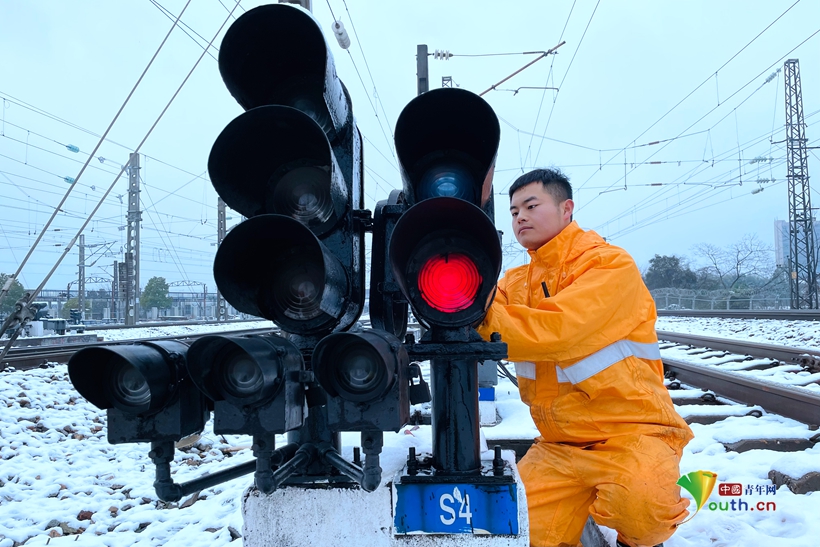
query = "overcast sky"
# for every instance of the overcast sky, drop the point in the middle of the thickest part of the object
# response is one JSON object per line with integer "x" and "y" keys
{"x": 67, "y": 66}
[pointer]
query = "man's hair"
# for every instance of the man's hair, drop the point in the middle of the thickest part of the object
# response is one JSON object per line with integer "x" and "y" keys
{"x": 554, "y": 181}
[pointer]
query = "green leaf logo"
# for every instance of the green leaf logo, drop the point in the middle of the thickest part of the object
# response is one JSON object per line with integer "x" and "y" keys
{"x": 700, "y": 485}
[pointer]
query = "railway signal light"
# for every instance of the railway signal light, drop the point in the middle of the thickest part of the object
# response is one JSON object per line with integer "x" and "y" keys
{"x": 447, "y": 141}
{"x": 292, "y": 164}
{"x": 145, "y": 389}
{"x": 445, "y": 251}
{"x": 447, "y": 271}
{"x": 367, "y": 378}
{"x": 254, "y": 381}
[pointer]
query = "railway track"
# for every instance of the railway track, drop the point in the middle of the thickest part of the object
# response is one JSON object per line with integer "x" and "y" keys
{"x": 713, "y": 379}
{"x": 28, "y": 358}
{"x": 779, "y": 379}
{"x": 794, "y": 315}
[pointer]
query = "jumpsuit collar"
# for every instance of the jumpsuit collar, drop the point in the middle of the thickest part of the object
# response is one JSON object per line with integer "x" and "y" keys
{"x": 556, "y": 251}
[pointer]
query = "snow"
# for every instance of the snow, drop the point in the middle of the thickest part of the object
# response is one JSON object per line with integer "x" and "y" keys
{"x": 61, "y": 481}
{"x": 111, "y": 335}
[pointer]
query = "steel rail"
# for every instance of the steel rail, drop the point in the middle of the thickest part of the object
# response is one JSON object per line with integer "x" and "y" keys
{"x": 112, "y": 326}
{"x": 793, "y": 402}
{"x": 807, "y": 315}
{"x": 807, "y": 357}
{"x": 28, "y": 358}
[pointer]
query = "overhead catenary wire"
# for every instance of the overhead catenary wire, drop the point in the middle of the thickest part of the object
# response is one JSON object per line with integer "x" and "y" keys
{"x": 136, "y": 151}
{"x": 724, "y": 65}
{"x": 367, "y": 66}
{"x": 550, "y": 74}
{"x": 37, "y": 110}
{"x": 183, "y": 26}
{"x": 564, "y": 78}
{"x": 718, "y": 106}
{"x": 4, "y": 290}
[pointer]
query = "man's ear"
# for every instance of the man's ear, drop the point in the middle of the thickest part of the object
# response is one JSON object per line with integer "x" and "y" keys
{"x": 567, "y": 208}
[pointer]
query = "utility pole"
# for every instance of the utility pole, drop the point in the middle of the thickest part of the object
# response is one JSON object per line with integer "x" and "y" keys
{"x": 221, "y": 229}
{"x": 81, "y": 284}
{"x": 421, "y": 69}
{"x": 802, "y": 259}
{"x": 132, "y": 247}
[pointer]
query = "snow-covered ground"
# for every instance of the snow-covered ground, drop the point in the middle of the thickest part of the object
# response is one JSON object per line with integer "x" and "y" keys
{"x": 177, "y": 330}
{"x": 61, "y": 482}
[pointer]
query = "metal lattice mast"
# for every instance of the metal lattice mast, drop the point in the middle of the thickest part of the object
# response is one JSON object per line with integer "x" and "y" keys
{"x": 221, "y": 307}
{"x": 132, "y": 247}
{"x": 802, "y": 260}
{"x": 81, "y": 280}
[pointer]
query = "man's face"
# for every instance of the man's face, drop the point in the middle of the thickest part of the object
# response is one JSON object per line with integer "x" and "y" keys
{"x": 536, "y": 216}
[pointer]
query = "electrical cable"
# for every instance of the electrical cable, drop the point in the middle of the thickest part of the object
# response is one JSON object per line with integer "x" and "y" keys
{"x": 506, "y": 373}
{"x": 167, "y": 13}
{"x": 372, "y": 80}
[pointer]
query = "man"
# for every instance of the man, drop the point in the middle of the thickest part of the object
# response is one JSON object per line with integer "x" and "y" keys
{"x": 580, "y": 327}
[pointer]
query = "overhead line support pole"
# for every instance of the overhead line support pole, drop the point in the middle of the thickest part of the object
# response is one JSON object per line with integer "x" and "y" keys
{"x": 132, "y": 247}
{"x": 221, "y": 230}
{"x": 81, "y": 284}
{"x": 422, "y": 77}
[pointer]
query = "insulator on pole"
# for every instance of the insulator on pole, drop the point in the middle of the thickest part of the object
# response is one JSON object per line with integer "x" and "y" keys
{"x": 341, "y": 35}
{"x": 70, "y": 180}
{"x": 442, "y": 54}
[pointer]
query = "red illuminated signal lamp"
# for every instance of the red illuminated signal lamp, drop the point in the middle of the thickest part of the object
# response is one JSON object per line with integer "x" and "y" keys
{"x": 446, "y": 271}
{"x": 449, "y": 282}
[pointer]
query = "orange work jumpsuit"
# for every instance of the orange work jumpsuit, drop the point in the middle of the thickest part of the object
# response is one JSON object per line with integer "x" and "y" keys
{"x": 580, "y": 327}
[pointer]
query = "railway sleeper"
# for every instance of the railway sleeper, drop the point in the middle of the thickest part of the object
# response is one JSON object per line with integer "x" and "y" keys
{"x": 810, "y": 482}
{"x": 716, "y": 416}
{"x": 778, "y": 445}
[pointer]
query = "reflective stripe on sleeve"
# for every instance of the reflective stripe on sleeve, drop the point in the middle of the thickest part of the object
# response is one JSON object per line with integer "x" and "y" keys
{"x": 603, "y": 359}
{"x": 525, "y": 369}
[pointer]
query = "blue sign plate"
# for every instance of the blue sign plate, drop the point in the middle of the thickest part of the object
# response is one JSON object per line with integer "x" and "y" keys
{"x": 460, "y": 508}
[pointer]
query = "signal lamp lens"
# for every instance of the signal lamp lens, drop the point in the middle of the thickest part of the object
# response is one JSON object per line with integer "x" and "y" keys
{"x": 241, "y": 375}
{"x": 448, "y": 179}
{"x": 449, "y": 282}
{"x": 298, "y": 288}
{"x": 359, "y": 371}
{"x": 303, "y": 194}
{"x": 128, "y": 386}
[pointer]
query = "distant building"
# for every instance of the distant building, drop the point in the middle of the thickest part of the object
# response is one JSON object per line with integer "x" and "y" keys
{"x": 782, "y": 242}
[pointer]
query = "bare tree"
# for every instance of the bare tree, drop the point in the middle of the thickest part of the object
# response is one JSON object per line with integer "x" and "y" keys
{"x": 747, "y": 258}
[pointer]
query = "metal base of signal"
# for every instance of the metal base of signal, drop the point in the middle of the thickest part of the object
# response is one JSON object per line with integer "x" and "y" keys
{"x": 392, "y": 515}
